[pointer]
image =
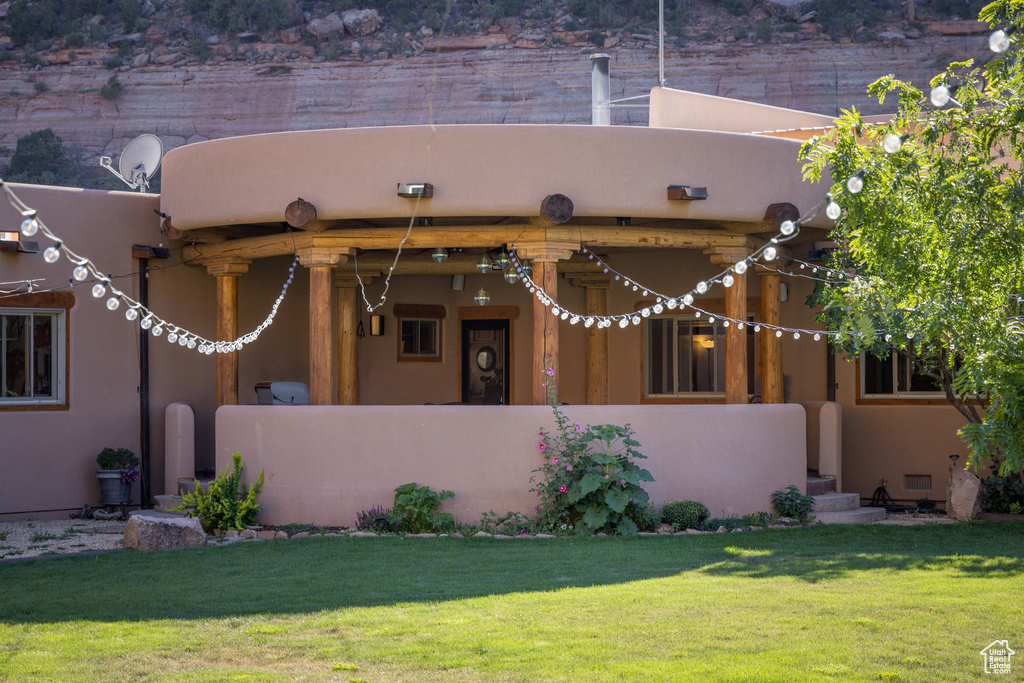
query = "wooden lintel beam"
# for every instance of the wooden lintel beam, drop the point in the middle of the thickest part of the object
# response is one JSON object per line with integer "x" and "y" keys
{"x": 486, "y": 236}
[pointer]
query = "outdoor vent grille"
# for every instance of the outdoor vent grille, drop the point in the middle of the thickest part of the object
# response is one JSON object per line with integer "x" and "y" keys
{"x": 917, "y": 482}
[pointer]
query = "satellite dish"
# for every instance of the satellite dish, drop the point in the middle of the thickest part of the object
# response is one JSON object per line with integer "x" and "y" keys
{"x": 139, "y": 162}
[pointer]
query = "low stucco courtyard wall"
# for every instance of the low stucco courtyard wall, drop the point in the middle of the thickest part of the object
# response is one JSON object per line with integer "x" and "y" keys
{"x": 324, "y": 464}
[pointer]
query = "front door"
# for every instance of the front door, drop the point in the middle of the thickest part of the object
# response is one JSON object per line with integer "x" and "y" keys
{"x": 485, "y": 362}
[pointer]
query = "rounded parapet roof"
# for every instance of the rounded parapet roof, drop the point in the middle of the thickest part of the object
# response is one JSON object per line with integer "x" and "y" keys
{"x": 482, "y": 170}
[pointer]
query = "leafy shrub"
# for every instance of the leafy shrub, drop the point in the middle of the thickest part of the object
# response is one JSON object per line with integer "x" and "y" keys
{"x": 222, "y": 506}
{"x": 845, "y": 17}
{"x": 925, "y": 503}
{"x": 237, "y": 16}
{"x": 792, "y": 503}
{"x": 646, "y": 517}
{"x": 510, "y": 523}
{"x": 112, "y": 90}
{"x": 763, "y": 30}
{"x": 758, "y": 519}
{"x": 729, "y": 523}
{"x": 684, "y": 514}
{"x": 74, "y": 40}
{"x": 589, "y": 475}
{"x": 998, "y": 494}
{"x": 41, "y": 157}
{"x": 415, "y": 510}
{"x": 116, "y": 458}
{"x": 375, "y": 519}
{"x": 112, "y": 63}
{"x": 39, "y": 86}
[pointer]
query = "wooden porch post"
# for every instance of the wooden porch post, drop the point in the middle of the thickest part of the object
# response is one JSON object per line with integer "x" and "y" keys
{"x": 321, "y": 324}
{"x": 736, "y": 379}
{"x": 771, "y": 346}
{"x": 348, "y": 352}
{"x": 545, "y": 257}
{"x": 227, "y": 271}
{"x": 596, "y": 292}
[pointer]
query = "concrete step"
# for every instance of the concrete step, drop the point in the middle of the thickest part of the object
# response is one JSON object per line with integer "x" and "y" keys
{"x": 164, "y": 503}
{"x": 836, "y": 502}
{"x": 858, "y": 516}
{"x": 189, "y": 485}
{"x": 817, "y": 486}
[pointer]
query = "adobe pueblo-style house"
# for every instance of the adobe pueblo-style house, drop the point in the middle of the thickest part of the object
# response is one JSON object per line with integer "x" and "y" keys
{"x": 423, "y": 361}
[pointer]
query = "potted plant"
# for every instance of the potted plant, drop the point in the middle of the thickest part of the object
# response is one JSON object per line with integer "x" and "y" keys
{"x": 117, "y": 472}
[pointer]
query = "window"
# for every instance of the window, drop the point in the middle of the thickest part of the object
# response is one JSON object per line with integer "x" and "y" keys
{"x": 420, "y": 338}
{"x": 419, "y": 331}
{"x": 895, "y": 377}
{"x": 685, "y": 356}
{"x": 32, "y": 356}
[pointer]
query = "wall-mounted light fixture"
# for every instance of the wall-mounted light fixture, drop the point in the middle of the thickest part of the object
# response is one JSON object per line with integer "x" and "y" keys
{"x": 376, "y": 326}
{"x": 458, "y": 282}
{"x": 11, "y": 241}
{"x": 414, "y": 190}
{"x": 783, "y": 291}
{"x": 687, "y": 193}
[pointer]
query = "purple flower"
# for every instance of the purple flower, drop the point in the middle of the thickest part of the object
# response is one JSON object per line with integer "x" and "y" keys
{"x": 579, "y": 427}
{"x": 568, "y": 468}
{"x": 561, "y": 489}
{"x": 606, "y": 476}
{"x": 551, "y": 372}
{"x": 541, "y": 446}
{"x": 554, "y": 460}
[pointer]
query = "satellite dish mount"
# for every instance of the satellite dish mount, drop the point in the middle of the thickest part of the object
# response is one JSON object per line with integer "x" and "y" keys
{"x": 139, "y": 162}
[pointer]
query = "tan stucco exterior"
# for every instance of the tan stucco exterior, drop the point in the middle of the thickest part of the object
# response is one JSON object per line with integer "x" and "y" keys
{"x": 324, "y": 463}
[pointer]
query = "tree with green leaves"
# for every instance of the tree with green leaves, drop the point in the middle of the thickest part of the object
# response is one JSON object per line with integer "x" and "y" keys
{"x": 932, "y": 220}
{"x": 41, "y": 158}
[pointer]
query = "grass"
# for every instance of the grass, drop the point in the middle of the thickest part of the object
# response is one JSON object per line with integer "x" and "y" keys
{"x": 813, "y": 604}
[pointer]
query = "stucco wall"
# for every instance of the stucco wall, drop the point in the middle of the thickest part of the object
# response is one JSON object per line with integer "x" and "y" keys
{"x": 322, "y": 465}
{"x": 47, "y": 458}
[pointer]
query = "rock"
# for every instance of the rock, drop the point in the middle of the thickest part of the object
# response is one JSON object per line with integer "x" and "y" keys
{"x": 891, "y": 37}
{"x": 694, "y": 532}
{"x": 807, "y": 17}
{"x": 963, "y": 501}
{"x": 911, "y": 33}
{"x": 132, "y": 38}
{"x": 721, "y": 530}
{"x": 361, "y": 22}
{"x": 301, "y": 534}
{"x": 148, "y": 9}
{"x": 161, "y": 533}
{"x": 232, "y": 533}
{"x": 308, "y": 51}
{"x": 611, "y": 41}
{"x": 266, "y": 535}
{"x": 290, "y": 36}
{"x": 281, "y": 534}
{"x": 788, "y": 10}
{"x": 601, "y": 534}
{"x": 325, "y": 26}
{"x": 104, "y": 515}
{"x": 544, "y": 536}
{"x": 140, "y": 61}
{"x": 466, "y": 43}
{"x": 482, "y": 534}
{"x": 213, "y": 40}
{"x": 457, "y": 535}
{"x": 362, "y": 534}
{"x": 169, "y": 58}
{"x": 421, "y": 535}
{"x": 426, "y": 31}
{"x": 247, "y": 37}
{"x": 249, "y": 533}
{"x": 501, "y": 536}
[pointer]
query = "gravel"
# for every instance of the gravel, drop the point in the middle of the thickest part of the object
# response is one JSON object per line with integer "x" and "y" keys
{"x": 58, "y": 537}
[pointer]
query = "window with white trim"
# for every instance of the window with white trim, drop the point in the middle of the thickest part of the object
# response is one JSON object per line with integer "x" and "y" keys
{"x": 895, "y": 376}
{"x": 32, "y": 356}
{"x": 685, "y": 357}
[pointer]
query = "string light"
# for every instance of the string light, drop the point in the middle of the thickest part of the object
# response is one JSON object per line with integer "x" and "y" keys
{"x": 999, "y": 42}
{"x": 149, "y": 320}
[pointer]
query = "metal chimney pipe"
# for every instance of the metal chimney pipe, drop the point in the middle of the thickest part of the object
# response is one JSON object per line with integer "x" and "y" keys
{"x": 600, "y": 90}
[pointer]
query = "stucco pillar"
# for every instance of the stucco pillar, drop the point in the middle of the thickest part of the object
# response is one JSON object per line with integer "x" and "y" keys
{"x": 771, "y": 345}
{"x": 545, "y": 257}
{"x": 227, "y": 271}
{"x": 736, "y": 380}
{"x": 348, "y": 350}
{"x": 320, "y": 263}
{"x": 596, "y": 292}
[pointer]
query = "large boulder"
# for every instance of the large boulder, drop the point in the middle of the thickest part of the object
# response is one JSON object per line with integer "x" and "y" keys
{"x": 325, "y": 26}
{"x": 963, "y": 496}
{"x": 162, "y": 533}
{"x": 788, "y": 10}
{"x": 361, "y": 22}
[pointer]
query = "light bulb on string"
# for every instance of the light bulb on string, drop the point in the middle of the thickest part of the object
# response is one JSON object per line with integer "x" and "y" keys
{"x": 80, "y": 273}
{"x": 646, "y": 312}
{"x": 787, "y": 228}
{"x": 687, "y": 299}
{"x": 999, "y": 41}
{"x": 892, "y": 143}
{"x": 482, "y": 297}
{"x": 588, "y": 322}
{"x": 52, "y": 254}
{"x": 157, "y": 331}
{"x": 182, "y": 340}
{"x": 98, "y": 290}
{"x": 502, "y": 259}
{"x": 484, "y": 264}
{"x": 702, "y": 287}
{"x": 624, "y": 322}
{"x": 817, "y": 336}
{"x": 832, "y": 210}
{"x": 192, "y": 343}
{"x": 146, "y": 322}
{"x": 511, "y": 276}
{"x": 796, "y": 335}
{"x": 131, "y": 313}
{"x": 658, "y": 308}
{"x": 856, "y": 183}
{"x": 113, "y": 303}
{"x": 728, "y": 281}
{"x": 757, "y": 328}
{"x": 29, "y": 226}
{"x": 172, "y": 337}
{"x": 778, "y": 333}
{"x": 740, "y": 267}
{"x": 940, "y": 96}
{"x": 671, "y": 303}
{"x": 770, "y": 253}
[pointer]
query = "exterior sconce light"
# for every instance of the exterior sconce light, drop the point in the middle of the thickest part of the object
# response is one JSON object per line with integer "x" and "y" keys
{"x": 415, "y": 190}
{"x": 954, "y": 458}
{"x": 11, "y": 241}
{"x": 376, "y": 325}
{"x": 687, "y": 193}
{"x": 482, "y": 297}
{"x": 484, "y": 264}
{"x": 440, "y": 254}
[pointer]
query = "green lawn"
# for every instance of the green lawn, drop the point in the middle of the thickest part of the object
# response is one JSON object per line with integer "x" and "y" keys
{"x": 814, "y": 604}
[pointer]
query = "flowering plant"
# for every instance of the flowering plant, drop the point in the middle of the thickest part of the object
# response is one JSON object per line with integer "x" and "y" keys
{"x": 589, "y": 475}
{"x": 129, "y": 476}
